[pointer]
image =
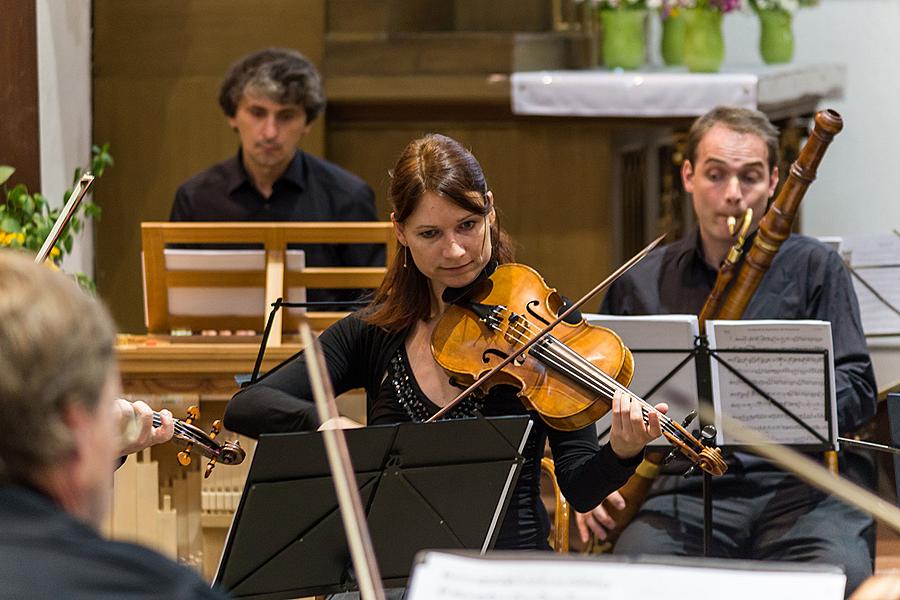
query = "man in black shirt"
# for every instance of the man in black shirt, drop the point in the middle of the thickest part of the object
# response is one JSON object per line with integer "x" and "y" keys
{"x": 759, "y": 511}
{"x": 60, "y": 437}
{"x": 271, "y": 99}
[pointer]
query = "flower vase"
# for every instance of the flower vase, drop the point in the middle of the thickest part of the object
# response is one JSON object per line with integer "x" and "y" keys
{"x": 704, "y": 47}
{"x": 623, "y": 38}
{"x": 671, "y": 45}
{"x": 776, "y": 39}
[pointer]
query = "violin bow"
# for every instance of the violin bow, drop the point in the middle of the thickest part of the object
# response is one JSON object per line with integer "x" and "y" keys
{"x": 78, "y": 193}
{"x": 543, "y": 332}
{"x": 355, "y": 527}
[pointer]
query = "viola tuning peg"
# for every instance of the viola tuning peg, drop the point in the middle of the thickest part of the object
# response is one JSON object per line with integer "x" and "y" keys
{"x": 691, "y": 470}
{"x": 689, "y": 418}
{"x": 670, "y": 456}
{"x": 184, "y": 457}
{"x": 209, "y": 468}
{"x": 708, "y": 435}
{"x": 193, "y": 413}
{"x": 216, "y": 429}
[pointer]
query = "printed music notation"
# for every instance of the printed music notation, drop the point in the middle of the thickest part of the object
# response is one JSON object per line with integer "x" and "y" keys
{"x": 802, "y": 383}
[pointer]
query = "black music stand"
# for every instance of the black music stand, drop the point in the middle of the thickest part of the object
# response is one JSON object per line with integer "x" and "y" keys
{"x": 703, "y": 357}
{"x": 423, "y": 485}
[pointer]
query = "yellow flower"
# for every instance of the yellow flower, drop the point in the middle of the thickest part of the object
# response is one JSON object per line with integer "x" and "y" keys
{"x": 54, "y": 252}
{"x": 7, "y": 239}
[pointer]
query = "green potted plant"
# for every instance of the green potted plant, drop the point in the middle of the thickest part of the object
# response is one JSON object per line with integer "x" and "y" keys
{"x": 776, "y": 35}
{"x": 26, "y": 217}
{"x": 704, "y": 46}
{"x": 671, "y": 44}
{"x": 624, "y": 24}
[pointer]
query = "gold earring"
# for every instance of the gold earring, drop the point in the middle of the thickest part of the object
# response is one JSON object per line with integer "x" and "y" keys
{"x": 405, "y": 255}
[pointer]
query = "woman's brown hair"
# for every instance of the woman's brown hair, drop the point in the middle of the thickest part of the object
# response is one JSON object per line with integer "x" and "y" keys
{"x": 441, "y": 165}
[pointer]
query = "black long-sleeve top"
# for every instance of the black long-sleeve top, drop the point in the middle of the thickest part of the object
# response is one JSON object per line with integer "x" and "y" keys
{"x": 359, "y": 355}
{"x": 806, "y": 280}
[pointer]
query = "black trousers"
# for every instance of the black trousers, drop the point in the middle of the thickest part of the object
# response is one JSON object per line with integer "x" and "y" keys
{"x": 757, "y": 515}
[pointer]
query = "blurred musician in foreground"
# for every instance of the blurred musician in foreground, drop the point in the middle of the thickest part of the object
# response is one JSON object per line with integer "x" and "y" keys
{"x": 759, "y": 512}
{"x": 60, "y": 437}
{"x": 445, "y": 220}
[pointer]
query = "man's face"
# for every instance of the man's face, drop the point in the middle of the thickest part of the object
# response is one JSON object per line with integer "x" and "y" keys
{"x": 731, "y": 174}
{"x": 269, "y": 131}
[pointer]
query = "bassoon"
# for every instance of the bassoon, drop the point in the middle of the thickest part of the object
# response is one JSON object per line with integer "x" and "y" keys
{"x": 736, "y": 283}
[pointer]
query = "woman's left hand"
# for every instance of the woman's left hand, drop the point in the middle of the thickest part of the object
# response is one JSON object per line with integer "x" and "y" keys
{"x": 630, "y": 433}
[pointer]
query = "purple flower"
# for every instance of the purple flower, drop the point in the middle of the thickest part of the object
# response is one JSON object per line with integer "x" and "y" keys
{"x": 725, "y": 5}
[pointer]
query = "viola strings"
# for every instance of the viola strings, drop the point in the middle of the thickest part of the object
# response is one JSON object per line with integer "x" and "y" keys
{"x": 589, "y": 375}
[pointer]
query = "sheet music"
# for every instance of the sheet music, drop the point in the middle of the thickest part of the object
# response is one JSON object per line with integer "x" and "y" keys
{"x": 238, "y": 301}
{"x": 443, "y": 576}
{"x": 878, "y": 314}
{"x": 657, "y": 332}
{"x": 871, "y": 250}
{"x": 794, "y": 380}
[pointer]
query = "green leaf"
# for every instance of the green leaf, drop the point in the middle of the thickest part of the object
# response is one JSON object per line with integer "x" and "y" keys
{"x": 92, "y": 210}
{"x": 14, "y": 196}
{"x": 86, "y": 283}
{"x": 67, "y": 244}
{"x": 101, "y": 159}
{"x": 10, "y": 225}
{"x": 27, "y": 204}
{"x": 40, "y": 202}
{"x": 5, "y": 173}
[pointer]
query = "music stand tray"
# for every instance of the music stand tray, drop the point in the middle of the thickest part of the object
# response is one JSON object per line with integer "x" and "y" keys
{"x": 436, "y": 485}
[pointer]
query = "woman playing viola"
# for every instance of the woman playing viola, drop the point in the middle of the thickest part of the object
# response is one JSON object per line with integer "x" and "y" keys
{"x": 445, "y": 221}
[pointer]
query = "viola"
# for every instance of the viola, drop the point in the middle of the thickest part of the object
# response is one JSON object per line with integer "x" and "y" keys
{"x": 568, "y": 376}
